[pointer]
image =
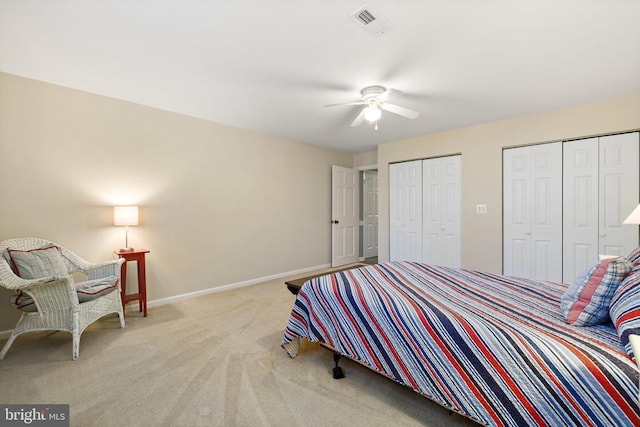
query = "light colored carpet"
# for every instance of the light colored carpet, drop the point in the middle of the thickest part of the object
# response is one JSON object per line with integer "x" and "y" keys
{"x": 210, "y": 361}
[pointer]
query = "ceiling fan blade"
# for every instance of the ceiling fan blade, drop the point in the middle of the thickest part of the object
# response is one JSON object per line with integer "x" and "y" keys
{"x": 389, "y": 93}
{"x": 346, "y": 103}
{"x": 358, "y": 121}
{"x": 401, "y": 111}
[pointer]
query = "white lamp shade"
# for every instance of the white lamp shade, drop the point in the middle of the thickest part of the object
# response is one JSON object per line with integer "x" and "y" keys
{"x": 634, "y": 216}
{"x": 125, "y": 215}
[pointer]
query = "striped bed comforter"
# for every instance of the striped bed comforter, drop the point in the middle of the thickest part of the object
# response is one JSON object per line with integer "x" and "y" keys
{"x": 489, "y": 347}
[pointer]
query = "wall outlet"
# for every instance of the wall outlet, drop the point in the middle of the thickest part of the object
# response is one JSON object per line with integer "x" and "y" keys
{"x": 481, "y": 209}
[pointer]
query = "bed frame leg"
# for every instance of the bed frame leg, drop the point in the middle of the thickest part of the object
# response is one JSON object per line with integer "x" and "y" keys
{"x": 337, "y": 370}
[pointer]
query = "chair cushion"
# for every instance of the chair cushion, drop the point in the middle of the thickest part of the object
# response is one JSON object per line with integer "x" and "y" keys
{"x": 92, "y": 289}
{"x": 37, "y": 263}
{"x": 586, "y": 302}
{"x": 87, "y": 291}
{"x": 23, "y": 302}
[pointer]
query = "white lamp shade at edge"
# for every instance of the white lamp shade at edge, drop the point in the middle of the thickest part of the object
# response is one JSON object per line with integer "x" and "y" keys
{"x": 634, "y": 216}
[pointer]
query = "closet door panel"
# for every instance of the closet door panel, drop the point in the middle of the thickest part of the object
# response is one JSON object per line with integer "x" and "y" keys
{"x": 405, "y": 211}
{"x": 580, "y": 207}
{"x": 442, "y": 215}
{"x": 451, "y": 212}
{"x": 519, "y": 256}
{"x": 619, "y": 189}
{"x": 431, "y": 211}
{"x": 543, "y": 251}
{"x": 516, "y": 234}
{"x": 546, "y": 227}
{"x": 533, "y": 212}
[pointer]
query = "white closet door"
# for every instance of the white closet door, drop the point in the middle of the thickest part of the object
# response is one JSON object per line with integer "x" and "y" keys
{"x": 601, "y": 187}
{"x": 405, "y": 211}
{"x": 619, "y": 182}
{"x": 442, "y": 211}
{"x": 580, "y": 206}
{"x": 546, "y": 161}
{"x": 533, "y": 212}
{"x": 517, "y": 236}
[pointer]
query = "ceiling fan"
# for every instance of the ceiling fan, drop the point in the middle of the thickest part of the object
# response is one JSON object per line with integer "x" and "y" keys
{"x": 375, "y": 99}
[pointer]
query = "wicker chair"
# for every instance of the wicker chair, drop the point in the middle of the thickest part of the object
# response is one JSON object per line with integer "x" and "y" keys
{"x": 56, "y": 297}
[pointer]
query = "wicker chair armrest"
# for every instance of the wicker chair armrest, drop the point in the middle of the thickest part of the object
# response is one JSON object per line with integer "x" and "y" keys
{"x": 79, "y": 263}
{"x": 57, "y": 294}
{"x": 16, "y": 283}
{"x": 102, "y": 269}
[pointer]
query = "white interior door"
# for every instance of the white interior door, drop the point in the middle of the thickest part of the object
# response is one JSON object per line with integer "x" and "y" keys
{"x": 370, "y": 214}
{"x": 405, "y": 211}
{"x": 442, "y": 211}
{"x": 344, "y": 216}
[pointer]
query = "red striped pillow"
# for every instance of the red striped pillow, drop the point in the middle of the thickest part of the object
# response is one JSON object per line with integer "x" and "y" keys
{"x": 586, "y": 302}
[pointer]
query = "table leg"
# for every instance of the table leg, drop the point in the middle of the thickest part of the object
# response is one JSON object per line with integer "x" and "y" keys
{"x": 142, "y": 283}
{"x": 123, "y": 282}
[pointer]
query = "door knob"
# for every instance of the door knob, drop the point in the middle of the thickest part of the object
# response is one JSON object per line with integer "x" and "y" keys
{"x": 335, "y": 221}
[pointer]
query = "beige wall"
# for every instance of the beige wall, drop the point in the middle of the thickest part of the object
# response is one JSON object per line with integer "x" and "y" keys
{"x": 368, "y": 158}
{"x": 481, "y": 148}
{"x": 219, "y": 205}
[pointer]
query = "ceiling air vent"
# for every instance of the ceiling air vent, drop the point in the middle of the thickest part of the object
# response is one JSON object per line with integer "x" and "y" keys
{"x": 370, "y": 20}
{"x": 365, "y": 16}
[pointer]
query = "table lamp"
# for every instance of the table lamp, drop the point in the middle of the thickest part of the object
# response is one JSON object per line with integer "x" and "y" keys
{"x": 125, "y": 215}
{"x": 634, "y": 216}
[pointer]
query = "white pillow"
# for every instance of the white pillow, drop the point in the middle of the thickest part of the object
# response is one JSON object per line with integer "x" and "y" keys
{"x": 38, "y": 263}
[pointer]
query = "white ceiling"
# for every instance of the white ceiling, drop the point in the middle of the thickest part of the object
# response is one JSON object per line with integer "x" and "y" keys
{"x": 271, "y": 65}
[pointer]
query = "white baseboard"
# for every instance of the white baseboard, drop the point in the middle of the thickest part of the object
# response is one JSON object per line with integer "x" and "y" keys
{"x": 176, "y": 298}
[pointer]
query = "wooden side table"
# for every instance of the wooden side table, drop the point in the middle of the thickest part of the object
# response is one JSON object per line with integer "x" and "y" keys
{"x": 138, "y": 256}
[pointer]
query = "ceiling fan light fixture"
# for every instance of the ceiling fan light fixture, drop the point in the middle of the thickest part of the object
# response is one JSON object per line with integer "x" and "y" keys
{"x": 372, "y": 113}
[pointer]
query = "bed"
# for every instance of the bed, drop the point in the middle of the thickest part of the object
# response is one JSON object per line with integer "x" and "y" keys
{"x": 492, "y": 348}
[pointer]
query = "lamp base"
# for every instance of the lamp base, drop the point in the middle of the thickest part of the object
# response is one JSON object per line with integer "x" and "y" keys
{"x": 126, "y": 249}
